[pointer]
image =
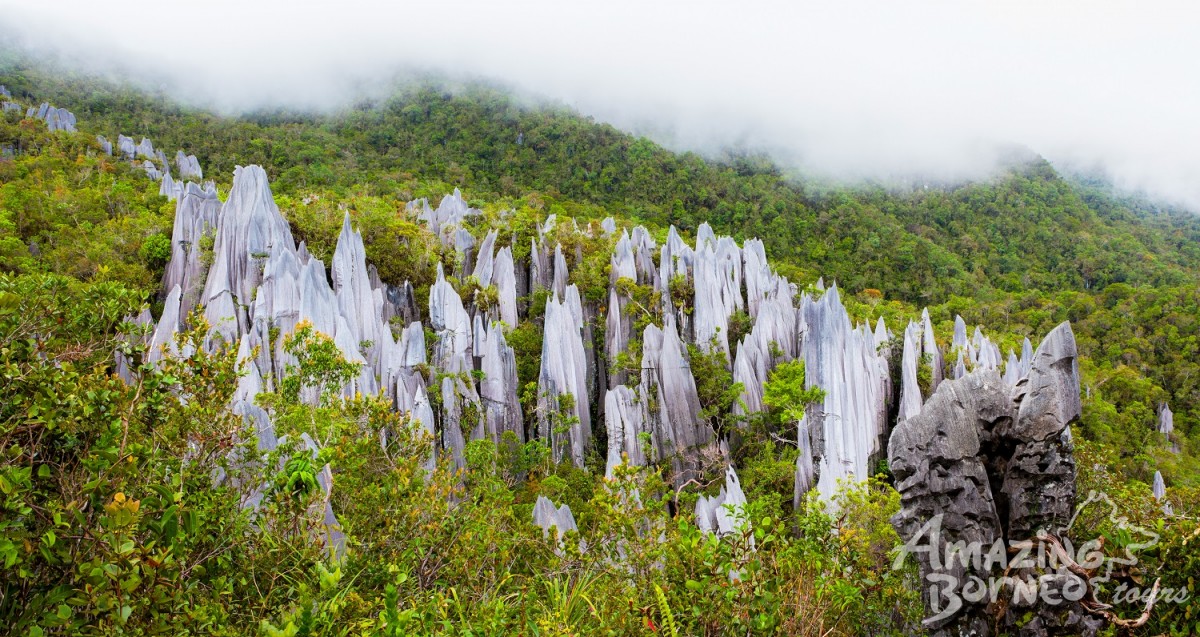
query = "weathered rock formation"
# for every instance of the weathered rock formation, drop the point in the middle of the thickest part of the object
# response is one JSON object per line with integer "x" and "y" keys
{"x": 1166, "y": 420}
{"x": 547, "y": 516}
{"x": 189, "y": 166}
{"x": 238, "y": 262}
{"x": 56, "y": 118}
{"x": 983, "y": 464}
{"x": 844, "y": 361}
{"x": 564, "y": 418}
{"x": 725, "y": 512}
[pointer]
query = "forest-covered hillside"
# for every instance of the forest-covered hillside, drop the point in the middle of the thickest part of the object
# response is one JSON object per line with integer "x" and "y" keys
{"x": 105, "y": 531}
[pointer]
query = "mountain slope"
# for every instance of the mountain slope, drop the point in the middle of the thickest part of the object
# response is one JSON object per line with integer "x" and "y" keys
{"x": 431, "y": 550}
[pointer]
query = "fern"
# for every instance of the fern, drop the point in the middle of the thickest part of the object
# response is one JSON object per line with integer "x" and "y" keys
{"x": 669, "y": 627}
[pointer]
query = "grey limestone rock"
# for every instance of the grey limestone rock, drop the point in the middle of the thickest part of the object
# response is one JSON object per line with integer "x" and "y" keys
{"x": 644, "y": 250}
{"x": 725, "y": 512}
{"x": 805, "y": 471}
{"x": 718, "y": 293}
{"x": 845, "y": 362}
{"x": 56, "y": 119}
{"x": 935, "y": 457}
{"x": 250, "y": 230}
{"x": 126, "y": 146}
{"x": 189, "y": 166}
{"x": 412, "y": 398}
{"x": 547, "y": 516}
{"x": 625, "y": 422}
{"x": 987, "y": 463}
{"x": 498, "y": 388}
{"x": 453, "y": 326}
{"x": 929, "y": 347}
{"x": 145, "y": 150}
{"x": 675, "y": 262}
{"x": 1166, "y": 420}
{"x": 1039, "y": 481}
{"x": 910, "y": 391}
{"x": 170, "y": 188}
{"x": 105, "y": 145}
{"x": 539, "y": 266}
{"x": 163, "y": 340}
{"x": 152, "y": 171}
{"x": 1159, "y": 489}
{"x": 359, "y": 304}
{"x": 677, "y": 430}
{"x": 504, "y": 278}
{"x": 461, "y": 418}
{"x": 197, "y": 213}
{"x": 486, "y": 262}
{"x": 563, "y": 384}
{"x": 558, "y": 284}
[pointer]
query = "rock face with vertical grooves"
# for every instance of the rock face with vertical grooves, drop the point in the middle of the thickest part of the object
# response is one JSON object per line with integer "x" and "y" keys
{"x": 145, "y": 150}
{"x": 1040, "y": 479}
{"x": 673, "y": 405}
{"x": 563, "y": 397}
{"x": 625, "y": 423}
{"x": 498, "y": 386}
{"x": 983, "y": 461}
{"x": 260, "y": 285}
{"x": 504, "y": 278}
{"x": 126, "y": 147}
{"x": 935, "y": 457}
{"x": 197, "y": 214}
{"x": 773, "y": 339}
{"x": 452, "y": 325}
{"x": 189, "y": 166}
{"x": 845, "y": 362}
{"x": 251, "y": 231}
{"x": 547, "y": 516}
{"x": 57, "y": 119}
{"x": 718, "y": 279}
{"x": 1166, "y": 420}
{"x": 725, "y": 512}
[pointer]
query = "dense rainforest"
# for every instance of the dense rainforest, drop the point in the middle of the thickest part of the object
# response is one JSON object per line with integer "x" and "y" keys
{"x": 105, "y": 531}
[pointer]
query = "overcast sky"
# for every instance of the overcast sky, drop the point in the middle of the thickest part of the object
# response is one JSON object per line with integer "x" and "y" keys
{"x": 851, "y": 89}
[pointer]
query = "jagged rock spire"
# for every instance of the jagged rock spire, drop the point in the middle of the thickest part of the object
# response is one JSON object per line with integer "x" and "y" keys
{"x": 189, "y": 166}
{"x": 197, "y": 215}
{"x": 844, "y": 361}
{"x": 57, "y": 119}
{"x": 547, "y": 516}
{"x": 498, "y": 387}
{"x": 724, "y": 512}
{"x": 563, "y": 395}
{"x": 987, "y": 462}
{"x": 625, "y": 422}
{"x": 1166, "y": 420}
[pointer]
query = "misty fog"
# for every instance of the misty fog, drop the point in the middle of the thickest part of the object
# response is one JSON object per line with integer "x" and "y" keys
{"x": 872, "y": 89}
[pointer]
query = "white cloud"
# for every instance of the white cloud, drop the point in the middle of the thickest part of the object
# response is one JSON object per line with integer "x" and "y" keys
{"x": 850, "y": 88}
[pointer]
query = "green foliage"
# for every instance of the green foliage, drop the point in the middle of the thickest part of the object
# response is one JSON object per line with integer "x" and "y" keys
{"x": 785, "y": 394}
{"x": 714, "y": 384}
